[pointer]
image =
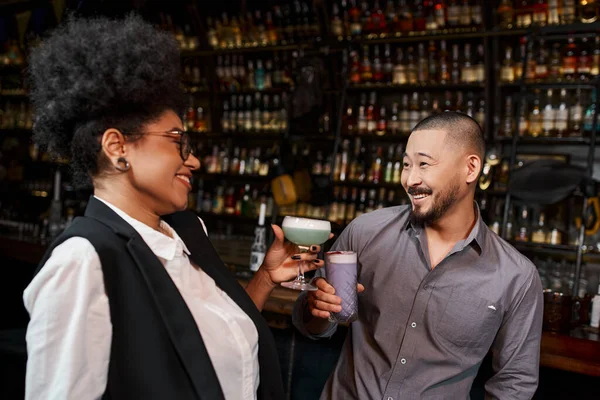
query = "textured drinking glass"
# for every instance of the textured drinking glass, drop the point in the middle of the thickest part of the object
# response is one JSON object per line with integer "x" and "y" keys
{"x": 304, "y": 232}
{"x": 341, "y": 271}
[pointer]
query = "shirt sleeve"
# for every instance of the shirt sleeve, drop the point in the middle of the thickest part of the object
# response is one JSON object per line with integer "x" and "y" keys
{"x": 70, "y": 332}
{"x": 516, "y": 350}
{"x": 300, "y": 311}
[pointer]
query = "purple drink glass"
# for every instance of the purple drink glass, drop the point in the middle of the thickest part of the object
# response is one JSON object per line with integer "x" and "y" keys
{"x": 341, "y": 271}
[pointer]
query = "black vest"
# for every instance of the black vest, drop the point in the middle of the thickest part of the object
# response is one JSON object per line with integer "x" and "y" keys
{"x": 157, "y": 351}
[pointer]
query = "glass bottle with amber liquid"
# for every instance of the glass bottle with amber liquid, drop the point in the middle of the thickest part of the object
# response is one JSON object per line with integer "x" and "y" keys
{"x": 522, "y": 233}
{"x": 540, "y": 233}
{"x": 535, "y": 117}
{"x": 366, "y": 72}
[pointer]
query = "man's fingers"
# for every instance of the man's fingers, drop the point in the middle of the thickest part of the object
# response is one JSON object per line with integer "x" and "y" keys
{"x": 323, "y": 285}
{"x": 320, "y": 314}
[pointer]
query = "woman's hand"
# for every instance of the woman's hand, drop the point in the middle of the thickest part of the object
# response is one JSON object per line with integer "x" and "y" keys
{"x": 281, "y": 260}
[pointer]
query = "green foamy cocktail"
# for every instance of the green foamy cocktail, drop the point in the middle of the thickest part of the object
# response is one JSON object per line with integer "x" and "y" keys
{"x": 304, "y": 232}
{"x": 306, "y": 236}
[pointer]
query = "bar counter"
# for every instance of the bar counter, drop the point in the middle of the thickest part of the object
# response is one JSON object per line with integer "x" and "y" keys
{"x": 578, "y": 351}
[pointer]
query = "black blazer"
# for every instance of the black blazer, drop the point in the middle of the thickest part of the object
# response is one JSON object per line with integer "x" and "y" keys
{"x": 157, "y": 351}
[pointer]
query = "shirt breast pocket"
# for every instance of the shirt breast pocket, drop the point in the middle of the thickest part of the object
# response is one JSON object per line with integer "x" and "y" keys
{"x": 469, "y": 321}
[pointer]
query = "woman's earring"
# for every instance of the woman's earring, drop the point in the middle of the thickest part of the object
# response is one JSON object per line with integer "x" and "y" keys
{"x": 122, "y": 164}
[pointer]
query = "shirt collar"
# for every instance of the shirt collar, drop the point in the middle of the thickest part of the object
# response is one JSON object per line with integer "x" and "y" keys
{"x": 476, "y": 236}
{"x": 161, "y": 245}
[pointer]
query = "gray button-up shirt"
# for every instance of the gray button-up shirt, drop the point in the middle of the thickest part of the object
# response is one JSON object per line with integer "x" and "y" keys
{"x": 422, "y": 333}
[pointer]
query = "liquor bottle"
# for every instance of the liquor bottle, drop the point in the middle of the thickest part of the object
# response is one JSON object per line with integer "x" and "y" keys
{"x": 467, "y": 72}
{"x": 454, "y": 11}
{"x": 351, "y": 206}
{"x": 376, "y": 167}
{"x": 541, "y": 64}
{"x": 411, "y": 68}
{"x": 562, "y": 115}
{"x": 394, "y": 123}
{"x": 366, "y": 73}
{"x": 567, "y": 12}
{"x": 455, "y": 75}
{"x": 584, "y": 61}
{"x": 414, "y": 114}
{"x": 522, "y": 234}
{"x": 355, "y": 77}
{"x": 553, "y": 12}
{"x": 422, "y": 65}
{"x": 337, "y": 28}
{"x": 570, "y": 60}
{"x": 405, "y": 17}
{"x": 505, "y": 14}
{"x": 259, "y": 76}
{"x": 479, "y": 64}
{"x": 540, "y": 233}
{"x": 576, "y": 115}
{"x": 342, "y": 204}
{"x": 388, "y": 66}
{"x": 555, "y": 64}
{"x": 381, "y": 126}
{"x": 465, "y": 14}
{"x": 377, "y": 66}
{"x": 399, "y": 77}
{"x": 259, "y": 247}
{"x": 540, "y": 13}
{"x": 332, "y": 215}
{"x": 548, "y": 116}
{"x": 595, "y": 69}
{"x": 404, "y": 116}
{"x": 388, "y": 173}
{"x": 444, "y": 76}
{"x": 396, "y": 177}
{"x": 433, "y": 63}
{"x": 535, "y": 117}
{"x": 507, "y": 126}
{"x": 371, "y": 114}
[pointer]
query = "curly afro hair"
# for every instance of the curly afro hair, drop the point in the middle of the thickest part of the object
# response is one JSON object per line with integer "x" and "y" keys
{"x": 93, "y": 74}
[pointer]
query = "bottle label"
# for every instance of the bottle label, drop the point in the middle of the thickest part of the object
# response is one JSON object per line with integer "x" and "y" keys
{"x": 256, "y": 260}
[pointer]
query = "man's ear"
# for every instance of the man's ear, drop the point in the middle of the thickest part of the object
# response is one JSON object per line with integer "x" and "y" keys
{"x": 473, "y": 168}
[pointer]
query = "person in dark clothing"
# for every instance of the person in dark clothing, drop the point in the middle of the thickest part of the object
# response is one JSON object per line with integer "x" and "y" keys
{"x": 132, "y": 300}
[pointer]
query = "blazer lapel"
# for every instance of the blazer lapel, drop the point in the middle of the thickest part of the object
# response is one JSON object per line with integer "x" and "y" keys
{"x": 177, "y": 318}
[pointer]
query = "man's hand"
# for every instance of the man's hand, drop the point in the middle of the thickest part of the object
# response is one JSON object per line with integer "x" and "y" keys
{"x": 323, "y": 301}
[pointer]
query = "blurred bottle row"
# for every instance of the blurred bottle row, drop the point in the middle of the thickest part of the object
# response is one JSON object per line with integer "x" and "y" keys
{"x": 239, "y": 200}
{"x": 280, "y": 24}
{"x": 552, "y": 113}
{"x": 356, "y": 17}
{"x": 525, "y": 13}
{"x": 573, "y": 61}
{"x": 16, "y": 115}
{"x": 375, "y": 118}
{"x": 424, "y": 64}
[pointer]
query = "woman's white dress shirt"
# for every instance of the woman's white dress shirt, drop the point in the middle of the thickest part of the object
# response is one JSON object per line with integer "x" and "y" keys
{"x": 69, "y": 335}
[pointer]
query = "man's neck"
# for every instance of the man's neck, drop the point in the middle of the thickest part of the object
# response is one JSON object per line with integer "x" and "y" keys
{"x": 455, "y": 225}
{"x": 122, "y": 199}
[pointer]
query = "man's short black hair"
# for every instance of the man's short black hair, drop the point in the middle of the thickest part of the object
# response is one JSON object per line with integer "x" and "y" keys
{"x": 92, "y": 74}
{"x": 462, "y": 130}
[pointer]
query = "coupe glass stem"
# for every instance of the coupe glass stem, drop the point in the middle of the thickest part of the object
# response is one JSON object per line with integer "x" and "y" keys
{"x": 300, "y": 277}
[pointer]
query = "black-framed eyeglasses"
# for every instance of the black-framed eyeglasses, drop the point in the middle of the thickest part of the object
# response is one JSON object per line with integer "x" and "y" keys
{"x": 185, "y": 143}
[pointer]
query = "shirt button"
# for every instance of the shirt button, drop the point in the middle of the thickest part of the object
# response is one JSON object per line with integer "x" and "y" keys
{"x": 403, "y": 361}
{"x": 390, "y": 398}
{"x": 414, "y": 324}
{"x": 426, "y": 287}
